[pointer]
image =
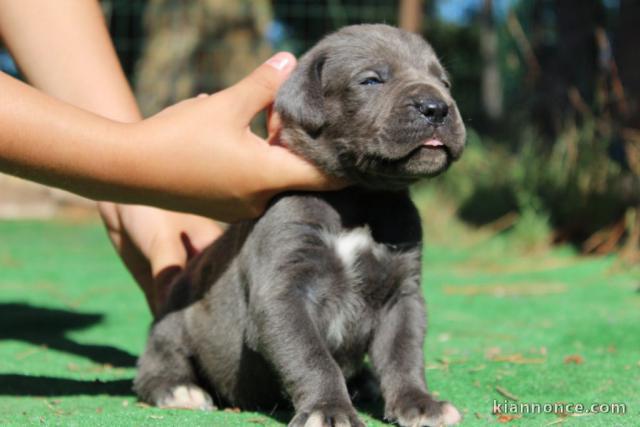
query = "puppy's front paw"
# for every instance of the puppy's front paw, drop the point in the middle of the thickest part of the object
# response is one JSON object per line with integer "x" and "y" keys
{"x": 187, "y": 396}
{"x": 418, "y": 409}
{"x": 327, "y": 416}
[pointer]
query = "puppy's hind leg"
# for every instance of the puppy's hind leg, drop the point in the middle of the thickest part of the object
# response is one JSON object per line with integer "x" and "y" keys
{"x": 165, "y": 374}
{"x": 396, "y": 353}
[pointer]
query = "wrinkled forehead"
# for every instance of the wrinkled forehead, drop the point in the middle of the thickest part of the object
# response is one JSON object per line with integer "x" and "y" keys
{"x": 388, "y": 49}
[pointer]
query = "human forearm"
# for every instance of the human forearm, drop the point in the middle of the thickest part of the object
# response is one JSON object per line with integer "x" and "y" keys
{"x": 63, "y": 48}
{"x": 51, "y": 142}
{"x": 48, "y": 141}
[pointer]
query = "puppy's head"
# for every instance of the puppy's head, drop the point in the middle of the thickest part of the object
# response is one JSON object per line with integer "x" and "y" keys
{"x": 371, "y": 103}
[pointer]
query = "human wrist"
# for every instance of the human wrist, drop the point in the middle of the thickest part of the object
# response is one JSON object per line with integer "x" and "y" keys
{"x": 156, "y": 169}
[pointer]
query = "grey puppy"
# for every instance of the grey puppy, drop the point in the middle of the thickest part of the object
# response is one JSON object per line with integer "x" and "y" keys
{"x": 287, "y": 306}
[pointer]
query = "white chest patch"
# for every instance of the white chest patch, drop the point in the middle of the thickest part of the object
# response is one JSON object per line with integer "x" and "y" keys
{"x": 348, "y": 245}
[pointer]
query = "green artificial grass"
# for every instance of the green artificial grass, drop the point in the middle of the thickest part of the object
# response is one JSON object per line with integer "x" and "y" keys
{"x": 542, "y": 328}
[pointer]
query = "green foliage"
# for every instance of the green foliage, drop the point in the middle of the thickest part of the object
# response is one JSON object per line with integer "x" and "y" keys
{"x": 532, "y": 231}
{"x": 570, "y": 183}
{"x": 557, "y": 156}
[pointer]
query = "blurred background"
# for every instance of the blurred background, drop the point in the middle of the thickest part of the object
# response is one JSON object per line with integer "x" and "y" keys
{"x": 549, "y": 91}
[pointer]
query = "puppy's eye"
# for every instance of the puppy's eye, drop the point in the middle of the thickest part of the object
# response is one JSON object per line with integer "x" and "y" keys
{"x": 446, "y": 83}
{"x": 371, "y": 81}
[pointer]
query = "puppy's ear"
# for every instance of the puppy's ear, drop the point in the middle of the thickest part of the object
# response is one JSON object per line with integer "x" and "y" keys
{"x": 301, "y": 99}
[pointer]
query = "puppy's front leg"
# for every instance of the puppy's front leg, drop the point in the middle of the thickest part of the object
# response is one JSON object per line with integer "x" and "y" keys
{"x": 396, "y": 353}
{"x": 290, "y": 340}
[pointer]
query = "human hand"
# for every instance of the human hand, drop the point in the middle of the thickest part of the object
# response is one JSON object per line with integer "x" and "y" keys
{"x": 219, "y": 167}
{"x": 155, "y": 245}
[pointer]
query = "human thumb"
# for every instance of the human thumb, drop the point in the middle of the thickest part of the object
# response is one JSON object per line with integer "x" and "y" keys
{"x": 258, "y": 90}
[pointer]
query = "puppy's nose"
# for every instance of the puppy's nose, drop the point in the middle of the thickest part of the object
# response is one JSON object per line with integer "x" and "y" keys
{"x": 434, "y": 110}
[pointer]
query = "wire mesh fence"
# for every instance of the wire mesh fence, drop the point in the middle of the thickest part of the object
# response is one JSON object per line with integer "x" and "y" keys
{"x": 291, "y": 24}
{"x": 173, "y": 49}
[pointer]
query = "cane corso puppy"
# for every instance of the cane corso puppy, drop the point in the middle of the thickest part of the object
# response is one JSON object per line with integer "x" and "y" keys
{"x": 284, "y": 308}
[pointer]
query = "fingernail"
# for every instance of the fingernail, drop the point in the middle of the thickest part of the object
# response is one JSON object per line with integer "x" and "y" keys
{"x": 279, "y": 61}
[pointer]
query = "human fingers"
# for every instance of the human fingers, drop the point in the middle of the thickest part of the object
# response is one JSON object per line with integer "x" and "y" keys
{"x": 258, "y": 90}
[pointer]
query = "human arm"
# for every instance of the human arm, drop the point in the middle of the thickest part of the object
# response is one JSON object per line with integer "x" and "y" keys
{"x": 197, "y": 156}
{"x": 63, "y": 48}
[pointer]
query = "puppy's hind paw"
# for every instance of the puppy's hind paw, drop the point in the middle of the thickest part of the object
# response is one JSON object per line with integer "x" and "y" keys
{"x": 186, "y": 397}
{"x": 327, "y": 417}
{"x": 420, "y": 410}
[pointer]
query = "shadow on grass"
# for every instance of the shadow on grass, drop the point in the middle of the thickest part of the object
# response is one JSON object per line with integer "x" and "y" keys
{"x": 373, "y": 409}
{"x": 26, "y": 385}
{"x": 48, "y": 327}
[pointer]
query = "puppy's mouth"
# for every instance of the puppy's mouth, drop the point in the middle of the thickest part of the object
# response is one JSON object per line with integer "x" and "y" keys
{"x": 433, "y": 144}
{"x": 429, "y": 156}
{"x": 430, "y": 146}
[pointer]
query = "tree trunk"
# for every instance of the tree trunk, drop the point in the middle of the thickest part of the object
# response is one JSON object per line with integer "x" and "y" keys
{"x": 491, "y": 78}
{"x": 410, "y": 15}
{"x": 570, "y": 64}
{"x": 628, "y": 58}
